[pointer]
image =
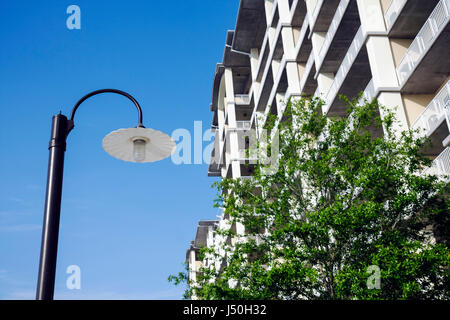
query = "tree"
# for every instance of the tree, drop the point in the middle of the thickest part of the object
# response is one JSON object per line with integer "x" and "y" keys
{"x": 347, "y": 214}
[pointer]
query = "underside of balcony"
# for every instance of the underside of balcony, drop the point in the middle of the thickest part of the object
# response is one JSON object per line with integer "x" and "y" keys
{"x": 326, "y": 13}
{"x": 411, "y": 18}
{"x": 434, "y": 68}
{"x": 341, "y": 41}
{"x": 250, "y": 25}
{"x": 437, "y": 136}
{"x": 356, "y": 81}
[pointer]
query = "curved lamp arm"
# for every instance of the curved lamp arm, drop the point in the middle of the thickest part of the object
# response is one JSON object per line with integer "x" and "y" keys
{"x": 93, "y": 93}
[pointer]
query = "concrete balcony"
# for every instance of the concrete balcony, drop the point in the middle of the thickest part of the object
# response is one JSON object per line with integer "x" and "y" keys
{"x": 272, "y": 47}
{"x": 393, "y": 12}
{"x": 222, "y": 147}
{"x": 271, "y": 87}
{"x": 307, "y": 82}
{"x": 243, "y": 125}
{"x": 227, "y": 155}
{"x": 369, "y": 92}
{"x": 242, "y": 99}
{"x": 320, "y": 18}
{"x": 214, "y": 164}
{"x": 243, "y": 108}
{"x": 352, "y": 77}
{"x": 404, "y": 18}
{"x": 263, "y": 57}
{"x": 317, "y": 93}
{"x": 240, "y": 65}
{"x": 203, "y": 237}
{"x": 250, "y": 25}
{"x": 440, "y": 166}
{"x": 272, "y": 12}
{"x": 264, "y": 91}
{"x": 434, "y": 121}
{"x": 280, "y": 87}
{"x": 246, "y": 168}
{"x": 303, "y": 45}
{"x": 425, "y": 64}
{"x": 265, "y": 72}
{"x": 298, "y": 13}
{"x": 340, "y": 34}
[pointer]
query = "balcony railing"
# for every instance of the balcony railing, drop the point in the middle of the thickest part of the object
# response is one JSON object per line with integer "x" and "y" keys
{"x": 307, "y": 71}
{"x": 245, "y": 125}
{"x": 263, "y": 56}
{"x": 346, "y": 64}
{"x": 242, "y": 99}
{"x": 301, "y": 36}
{"x": 369, "y": 92}
{"x": 273, "y": 11}
{"x": 332, "y": 30}
{"x": 317, "y": 93}
{"x": 435, "y": 111}
{"x": 393, "y": 12}
{"x": 447, "y": 113}
{"x": 424, "y": 39}
{"x": 315, "y": 13}
{"x": 268, "y": 62}
{"x": 441, "y": 165}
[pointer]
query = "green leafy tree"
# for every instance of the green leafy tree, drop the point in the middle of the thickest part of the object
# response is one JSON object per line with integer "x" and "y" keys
{"x": 346, "y": 214}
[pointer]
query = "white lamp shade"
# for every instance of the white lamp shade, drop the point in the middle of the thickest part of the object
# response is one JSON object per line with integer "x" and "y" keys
{"x": 120, "y": 144}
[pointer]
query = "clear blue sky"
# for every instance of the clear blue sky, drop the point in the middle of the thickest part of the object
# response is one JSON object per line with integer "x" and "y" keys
{"x": 126, "y": 225}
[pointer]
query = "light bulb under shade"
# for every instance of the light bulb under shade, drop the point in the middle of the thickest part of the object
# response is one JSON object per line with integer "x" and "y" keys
{"x": 120, "y": 144}
{"x": 139, "y": 149}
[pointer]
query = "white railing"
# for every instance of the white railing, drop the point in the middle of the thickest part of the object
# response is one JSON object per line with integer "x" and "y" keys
{"x": 441, "y": 165}
{"x": 225, "y": 114}
{"x": 273, "y": 11}
{"x": 315, "y": 13}
{"x": 222, "y": 150}
{"x": 424, "y": 39}
{"x": 264, "y": 48}
{"x": 268, "y": 63}
{"x": 447, "y": 113}
{"x": 346, "y": 64}
{"x": 307, "y": 71}
{"x": 301, "y": 36}
{"x": 433, "y": 113}
{"x": 215, "y": 160}
{"x": 332, "y": 29}
{"x": 369, "y": 92}
{"x": 317, "y": 93}
{"x": 242, "y": 99}
{"x": 293, "y": 8}
{"x": 246, "y": 125}
{"x": 393, "y": 12}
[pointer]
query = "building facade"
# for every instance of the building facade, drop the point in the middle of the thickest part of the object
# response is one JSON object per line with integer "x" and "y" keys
{"x": 204, "y": 238}
{"x": 394, "y": 50}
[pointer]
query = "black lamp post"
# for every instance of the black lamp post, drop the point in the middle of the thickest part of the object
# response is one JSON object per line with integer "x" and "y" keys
{"x": 133, "y": 144}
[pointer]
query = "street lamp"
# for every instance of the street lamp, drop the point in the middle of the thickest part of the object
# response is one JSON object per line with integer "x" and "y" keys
{"x": 138, "y": 144}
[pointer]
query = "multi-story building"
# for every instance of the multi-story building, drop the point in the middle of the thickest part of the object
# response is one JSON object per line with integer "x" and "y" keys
{"x": 397, "y": 51}
{"x": 203, "y": 238}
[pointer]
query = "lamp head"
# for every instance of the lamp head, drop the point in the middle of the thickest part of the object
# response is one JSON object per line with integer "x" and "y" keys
{"x": 139, "y": 144}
